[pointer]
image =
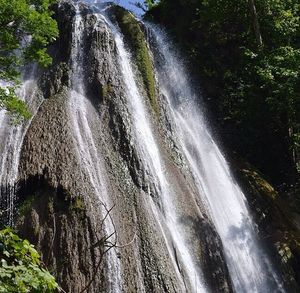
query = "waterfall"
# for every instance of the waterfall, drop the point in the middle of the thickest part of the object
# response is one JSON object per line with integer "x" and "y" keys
{"x": 160, "y": 168}
{"x": 249, "y": 266}
{"x": 11, "y": 136}
{"x": 149, "y": 152}
{"x": 80, "y": 110}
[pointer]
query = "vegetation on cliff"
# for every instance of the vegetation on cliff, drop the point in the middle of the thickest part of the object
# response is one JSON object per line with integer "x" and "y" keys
{"x": 275, "y": 217}
{"x": 247, "y": 54}
{"x": 26, "y": 28}
{"x": 20, "y": 267}
{"x": 137, "y": 43}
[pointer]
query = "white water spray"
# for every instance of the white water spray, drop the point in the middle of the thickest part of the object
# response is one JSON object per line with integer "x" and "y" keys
{"x": 150, "y": 154}
{"x": 80, "y": 110}
{"x": 11, "y": 137}
{"x": 249, "y": 266}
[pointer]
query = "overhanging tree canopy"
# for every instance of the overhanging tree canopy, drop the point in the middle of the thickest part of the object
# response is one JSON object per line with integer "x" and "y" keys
{"x": 26, "y": 28}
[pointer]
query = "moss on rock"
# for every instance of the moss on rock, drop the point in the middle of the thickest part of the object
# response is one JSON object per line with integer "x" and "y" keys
{"x": 275, "y": 222}
{"x": 106, "y": 90}
{"x": 26, "y": 205}
{"x": 77, "y": 204}
{"x": 135, "y": 39}
{"x": 262, "y": 186}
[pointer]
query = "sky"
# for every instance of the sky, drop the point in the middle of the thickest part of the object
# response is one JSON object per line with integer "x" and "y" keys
{"x": 128, "y": 4}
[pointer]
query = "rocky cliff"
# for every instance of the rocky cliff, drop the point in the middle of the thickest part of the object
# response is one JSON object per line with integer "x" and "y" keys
{"x": 88, "y": 182}
{"x": 60, "y": 211}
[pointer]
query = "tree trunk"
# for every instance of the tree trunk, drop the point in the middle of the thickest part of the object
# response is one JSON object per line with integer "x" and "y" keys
{"x": 255, "y": 23}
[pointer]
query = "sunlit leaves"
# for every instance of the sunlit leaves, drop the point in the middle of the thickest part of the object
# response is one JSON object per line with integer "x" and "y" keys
{"x": 26, "y": 28}
{"x": 20, "y": 266}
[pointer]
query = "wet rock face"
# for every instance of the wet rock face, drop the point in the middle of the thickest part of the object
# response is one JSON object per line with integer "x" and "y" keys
{"x": 60, "y": 211}
{"x": 51, "y": 179}
{"x": 136, "y": 41}
{"x": 275, "y": 224}
{"x": 212, "y": 259}
{"x": 64, "y": 233}
{"x": 57, "y": 75}
{"x": 64, "y": 13}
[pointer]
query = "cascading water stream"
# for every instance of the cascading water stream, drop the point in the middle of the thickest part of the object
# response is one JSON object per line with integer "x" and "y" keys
{"x": 11, "y": 137}
{"x": 80, "y": 109}
{"x": 249, "y": 266}
{"x": 150, "y": 154}
{"x": 209, "y": 178}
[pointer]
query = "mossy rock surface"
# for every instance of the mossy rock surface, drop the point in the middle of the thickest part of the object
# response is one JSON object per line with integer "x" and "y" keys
{"x": 274, "y": 218}
{"x": 136, "y": 40}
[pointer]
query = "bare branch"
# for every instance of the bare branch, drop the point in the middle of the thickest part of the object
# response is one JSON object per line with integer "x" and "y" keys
{"x": 103, "y": 242}
{"x": 129, "y": 243}
{"x": 108, "y": 242}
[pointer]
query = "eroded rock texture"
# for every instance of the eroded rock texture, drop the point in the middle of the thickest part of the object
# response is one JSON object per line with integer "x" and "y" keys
{"x": 81, "y": 158}
{"x": 61, "y": 209}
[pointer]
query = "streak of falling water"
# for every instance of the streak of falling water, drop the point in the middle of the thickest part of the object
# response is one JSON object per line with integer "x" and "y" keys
{"x": 11, "y": 137}
{"x": 80, "y": 109}
{"x": 249, "y": 266}
{"x": 150, "y": 154}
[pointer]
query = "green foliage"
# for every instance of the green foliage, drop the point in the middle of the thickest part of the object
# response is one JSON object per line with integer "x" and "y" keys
{"x": 11, "y": 103}
{"x": 20, "y": 267}
{"x": 106, "y": 90}
{"x": 253, "y": 90}
{"x": 26, "y": 28}
{"x": 149, "y": 4}
{"x": 78, "y": 204}
{"x": 146, "y": 4}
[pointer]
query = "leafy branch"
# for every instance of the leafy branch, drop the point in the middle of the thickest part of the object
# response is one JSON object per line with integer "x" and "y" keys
{"x": 20, "y": 266}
